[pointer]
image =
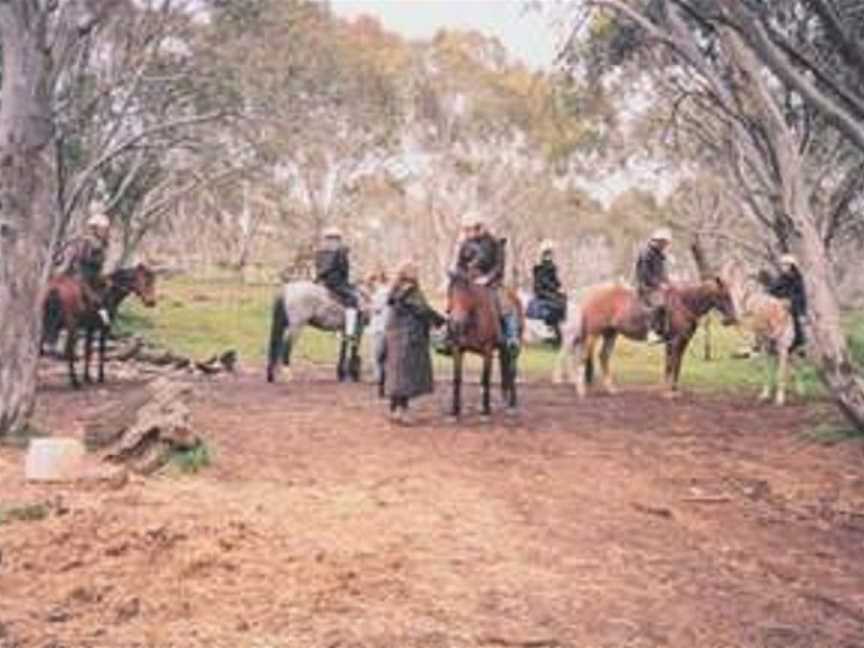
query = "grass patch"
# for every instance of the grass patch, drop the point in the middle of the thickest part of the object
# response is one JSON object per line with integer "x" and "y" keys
{"x": 23, "y": 513}
{"x": 201, "y": 318}
{"x": 192, "y": 460}
{"x": 833, "y": 433}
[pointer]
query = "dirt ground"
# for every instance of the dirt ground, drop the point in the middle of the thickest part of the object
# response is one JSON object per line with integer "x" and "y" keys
{"x": 626, "y": 521}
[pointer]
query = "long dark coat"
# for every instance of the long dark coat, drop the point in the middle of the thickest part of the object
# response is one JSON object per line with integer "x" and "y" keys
{"x": 409, "y": 365}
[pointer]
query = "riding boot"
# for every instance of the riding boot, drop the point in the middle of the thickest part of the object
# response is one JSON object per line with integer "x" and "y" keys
{"x": 556, "y": 329}
{"x": 351, "y": 321}
{"x": 94, "y": 299}
{"x": 511, "y": 330}
{"x": 657, "y": 332}
{"x": 799, "y": 340}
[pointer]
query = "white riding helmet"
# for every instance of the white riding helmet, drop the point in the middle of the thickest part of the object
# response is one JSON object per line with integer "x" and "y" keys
{"x": 472, "y": 219}
{"x": 548, "y": 245}
{"x": 788, "y": 259}
{"x": 662, "y": 234}
{"x": 97, "y": 216}
{"x": 332, "y": 232}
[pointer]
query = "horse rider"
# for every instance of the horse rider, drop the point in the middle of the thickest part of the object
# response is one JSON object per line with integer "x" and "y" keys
{"x": 652, "y": 281}
{"x": 547, "y": 289}
{"x": 789, "y": 285}
{"x": 83, "y": 258}
{"x": 332, "y": 269}
{"x": 481, "y": 257}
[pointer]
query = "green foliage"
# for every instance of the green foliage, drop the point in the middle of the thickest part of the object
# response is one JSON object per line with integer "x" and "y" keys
{"x": 202, "y": 318}
{"x": 192, "y": 460}
{"x": 23, "y": 513}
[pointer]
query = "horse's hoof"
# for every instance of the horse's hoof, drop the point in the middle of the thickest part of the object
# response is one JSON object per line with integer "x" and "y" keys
{"x": 671, "y": 394}
{"x": 485, "y": 418}
{"x": 511, "y": 412}
{"x": 452, "y": 419}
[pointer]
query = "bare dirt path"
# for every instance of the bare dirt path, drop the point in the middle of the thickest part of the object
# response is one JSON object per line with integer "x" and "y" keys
{"x": 616, "y": 522}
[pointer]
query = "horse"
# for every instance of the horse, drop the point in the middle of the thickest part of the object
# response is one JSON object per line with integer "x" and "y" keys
{"x": 770, "y": 321}
{"x": 65, "y": 307}
{"x": 611, "y": 310}
{"x": 303, "y": 302}
{"x": 474, "y": 327}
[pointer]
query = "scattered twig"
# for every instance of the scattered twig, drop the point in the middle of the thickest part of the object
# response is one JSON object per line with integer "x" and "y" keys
{"x": 707, "y": 499}
{"x": 520, "y": 643}
{"x": 653, "y": 510}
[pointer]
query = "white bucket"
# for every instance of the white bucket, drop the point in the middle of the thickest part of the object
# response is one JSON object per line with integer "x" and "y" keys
{"x": 54, "y": 459}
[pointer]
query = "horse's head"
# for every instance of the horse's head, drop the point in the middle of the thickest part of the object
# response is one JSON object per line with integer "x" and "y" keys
{"x": 144, "y": 284}
{"x": 721, "y": 299}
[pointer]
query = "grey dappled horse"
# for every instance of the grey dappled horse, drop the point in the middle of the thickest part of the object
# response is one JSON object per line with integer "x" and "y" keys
{"x": 301, "y": 303}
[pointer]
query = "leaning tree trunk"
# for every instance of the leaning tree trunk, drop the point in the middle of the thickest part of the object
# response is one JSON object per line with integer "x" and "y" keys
{"x": 828, "y": 339}
{"x": 26, "y": 209}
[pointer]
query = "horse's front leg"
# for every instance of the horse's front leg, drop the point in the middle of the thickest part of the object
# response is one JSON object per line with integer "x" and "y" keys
{"x": 486, "y": 379}
{"x": 71, "y": 340}
{"x": 103, "y": 336}
{"x": 605, "y": 356}
{"x": 508, "y": 376}
{"x": 341, "y": 370}
{"x": 768, "y": 371}
{"x": 678, "y": 346}
{"x": 88, "y": 353}
{"x": 781, "y": 376}
{"x": 578, "y": 368}
{"x": 673, "y": 359}
{"x": 354, "y": 361}
{"x": 456, "y": 408}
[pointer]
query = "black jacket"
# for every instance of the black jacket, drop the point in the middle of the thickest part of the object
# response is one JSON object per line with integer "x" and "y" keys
{"x": 546, "y": 282}
{"x": 790, "y": 285}
{"x": 83, "y": 256}
{"x": 332, "y": 267}
{"x": 483, "y": 255}
{"x": 651, "y": 268}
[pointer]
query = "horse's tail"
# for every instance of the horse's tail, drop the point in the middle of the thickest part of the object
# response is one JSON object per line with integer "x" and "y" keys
{"x": 278, "y": 324}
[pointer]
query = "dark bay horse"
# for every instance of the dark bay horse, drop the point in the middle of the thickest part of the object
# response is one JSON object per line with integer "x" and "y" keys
{"x": 612, "y": 310}
{"x": 66, "y": 308}
{"x": 476, "y": 328}
{"x": 301, "y": 303}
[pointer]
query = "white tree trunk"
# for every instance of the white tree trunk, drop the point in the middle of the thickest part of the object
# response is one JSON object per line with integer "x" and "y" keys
{"x": 26, "y": 206}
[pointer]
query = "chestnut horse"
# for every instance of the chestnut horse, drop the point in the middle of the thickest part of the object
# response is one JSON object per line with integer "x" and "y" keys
{"x": 66, "y": 307}
{"x": 610, "y": 310}
{"x": 475, "y": 327}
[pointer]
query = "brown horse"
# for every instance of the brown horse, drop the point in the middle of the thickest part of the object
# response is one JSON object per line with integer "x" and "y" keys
{"x": 608, "y": 311}
{"x": 476, "y": 328}
{"x": 66, "y": 308}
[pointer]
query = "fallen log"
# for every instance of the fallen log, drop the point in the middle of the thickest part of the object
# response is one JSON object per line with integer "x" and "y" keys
{"x": 146, "y": 427}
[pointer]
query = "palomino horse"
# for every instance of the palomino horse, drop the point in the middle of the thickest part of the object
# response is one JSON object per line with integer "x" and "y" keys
{"x": 303, "y": 302}
{"x": 476, "y": 328}
{"x": 66, "y": 307}
{"x": 771, "y": 322}
{"x": 608, "y": 311}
